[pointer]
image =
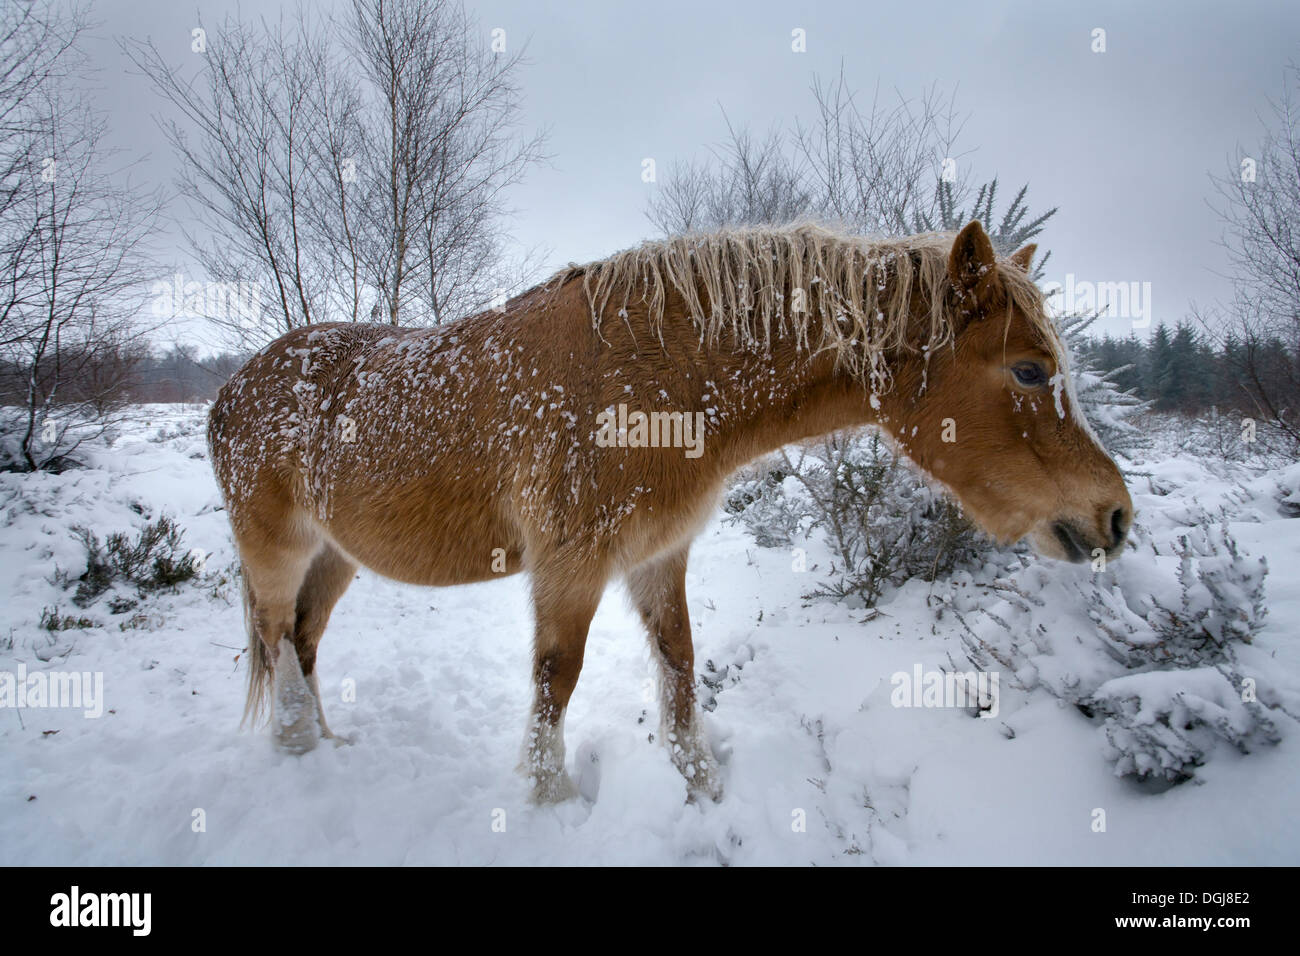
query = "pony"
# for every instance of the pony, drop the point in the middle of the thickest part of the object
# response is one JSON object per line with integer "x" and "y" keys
{"x": 584, "y": 432}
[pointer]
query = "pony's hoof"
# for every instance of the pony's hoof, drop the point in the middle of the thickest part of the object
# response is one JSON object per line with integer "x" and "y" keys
{"x": 705, "y": 784}
{"x": 700, "y": 768}
{"x": 297, "y": 729}
{"x": 696, "y": 791}
{"x": 297, "y": 738}
{"x": 553, "y": 788}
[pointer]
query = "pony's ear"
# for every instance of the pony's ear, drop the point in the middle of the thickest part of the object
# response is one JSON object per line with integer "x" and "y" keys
{"x": 1024, "y": 256}
{"x": 971, "y": 266}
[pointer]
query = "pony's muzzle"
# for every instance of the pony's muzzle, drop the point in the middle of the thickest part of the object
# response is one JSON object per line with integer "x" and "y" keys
{"x": 1078, "y": 546}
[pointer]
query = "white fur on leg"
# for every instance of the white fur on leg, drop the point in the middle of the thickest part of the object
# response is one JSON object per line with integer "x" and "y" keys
{"x": 294, "y": 713}
{"x": 543, "y": 762}
{"x": 691, "y": 754}
{"x": 681, "y": 734}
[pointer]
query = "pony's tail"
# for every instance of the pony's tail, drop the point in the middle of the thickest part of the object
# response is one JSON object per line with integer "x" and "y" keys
{"x": 259, "y": 664}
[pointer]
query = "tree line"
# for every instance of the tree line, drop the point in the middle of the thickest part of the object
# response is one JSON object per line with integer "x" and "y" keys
{"x": 1188, "y": 370}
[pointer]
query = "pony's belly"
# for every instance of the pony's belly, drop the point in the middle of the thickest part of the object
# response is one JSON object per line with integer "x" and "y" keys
{"x": 429, "y": 552}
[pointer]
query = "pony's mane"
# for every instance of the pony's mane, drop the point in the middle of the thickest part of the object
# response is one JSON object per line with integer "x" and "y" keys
{"x": 856, "y": 291}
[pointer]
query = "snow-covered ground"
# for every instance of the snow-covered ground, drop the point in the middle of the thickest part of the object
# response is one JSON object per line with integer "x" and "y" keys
{"x": 801, "y": 713}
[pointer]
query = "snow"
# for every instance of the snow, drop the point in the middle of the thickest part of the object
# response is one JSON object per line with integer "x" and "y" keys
{"x": 797, "y": 703}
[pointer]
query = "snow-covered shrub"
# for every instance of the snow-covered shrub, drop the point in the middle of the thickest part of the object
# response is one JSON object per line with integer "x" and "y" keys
{"x": 1147, "y": 647}
{"x": 155, "y": 560}
{"x": 52, "y": 620}
{"x": 757, "y": 497}
{"x": 51, "y": 443}
{"x": 1288, "y": 492}
{"x": 1220, "y": 601}
{"x": 1113, "y": 412}
{"x": 1163, "y": 723}
{"x": 1219, "y": 435}
{"x": 881, "y": 522}
{"x": 1163, "y": 719}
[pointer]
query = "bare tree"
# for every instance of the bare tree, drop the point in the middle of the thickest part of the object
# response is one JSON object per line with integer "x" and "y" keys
{"x": 1259, "y": 207}
{"x": 441, "y": 119}
{"x": 876, "y": 170}
{"x": 358, "y": 179}
{"x": 38, "y": 41}
{"x": 251, "y": 135}
{"x": 748, "y": 181}
{"x": 879, "y": 170}
{"x": 335, "y": 214}
{"x": 74, "y": 235}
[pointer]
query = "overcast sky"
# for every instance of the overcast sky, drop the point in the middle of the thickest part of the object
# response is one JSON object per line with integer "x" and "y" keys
{"x": 1122, "y": 141}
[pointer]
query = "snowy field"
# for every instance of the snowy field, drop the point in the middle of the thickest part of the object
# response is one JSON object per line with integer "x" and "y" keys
{"x": 799, "y": 697}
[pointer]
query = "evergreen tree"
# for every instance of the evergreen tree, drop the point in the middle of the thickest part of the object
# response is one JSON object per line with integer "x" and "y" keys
{"x": 1227, "y": 379}
{"x": 1014, "y": 229}
{"x": 1158, "y": 368}
{"x": 1181, "y": 390}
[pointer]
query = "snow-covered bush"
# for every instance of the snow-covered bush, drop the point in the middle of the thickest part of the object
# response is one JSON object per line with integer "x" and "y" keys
{"x": 1220, "y": 602}
{"x": 881, "y": 522}
{"x": 1163, "y": 723}
{"x": 1288, "y": 492}
{"x": 49, "y": 443}
{"x": 757, "y": 498}
{"x": 1163, "y": 719}
{"x": 1148, "y": 647}
{"x": 1216, "y": 434}
{"x": 156, "y": 559}
{"x": 1110, "y": 410}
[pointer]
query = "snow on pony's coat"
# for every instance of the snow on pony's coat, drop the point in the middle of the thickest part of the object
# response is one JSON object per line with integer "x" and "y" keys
{"x": 450, "y": 455}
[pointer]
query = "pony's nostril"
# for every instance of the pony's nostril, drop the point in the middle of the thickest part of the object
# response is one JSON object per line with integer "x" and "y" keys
{"x": 1119, "y": 523}
{"x": 1069, "y": 541}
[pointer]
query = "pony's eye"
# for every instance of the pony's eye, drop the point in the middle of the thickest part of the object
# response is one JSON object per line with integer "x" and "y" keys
{"x": 1029, "y": 374}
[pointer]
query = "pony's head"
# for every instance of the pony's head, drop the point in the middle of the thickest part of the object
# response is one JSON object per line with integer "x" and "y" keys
{"x": 997, "y": 420}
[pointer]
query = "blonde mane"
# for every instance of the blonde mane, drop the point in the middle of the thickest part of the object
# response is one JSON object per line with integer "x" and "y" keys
{"x": 855, "y": 293}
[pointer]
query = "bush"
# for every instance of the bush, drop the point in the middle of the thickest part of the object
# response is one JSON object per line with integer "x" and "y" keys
{"x": 153, "y": 561}
{"x": 52, "y": 620}
{"x": 1220, "y": 602}
{"x": 758, "y": 500}
{"x": 882, "y": 522}
{"x": 1163, "y": 723}
{"x": 1164, "y": 719}
{"x": 1169, "y": 623}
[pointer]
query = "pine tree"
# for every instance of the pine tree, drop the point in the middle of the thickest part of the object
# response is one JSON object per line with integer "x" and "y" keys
{"x": 1159, "y": 365}
{"x": 1181, "y": 391}
{"x": 1227, "y": 383}
{"x": 1014, "y": 229}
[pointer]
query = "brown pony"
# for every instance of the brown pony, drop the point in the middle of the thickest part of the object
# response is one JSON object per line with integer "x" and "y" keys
{"x": 584, "y": 432}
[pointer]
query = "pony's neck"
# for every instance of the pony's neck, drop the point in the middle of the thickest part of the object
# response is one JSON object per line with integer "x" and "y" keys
{"x": 758, "y": 392}
{"x": 765, "y": 402}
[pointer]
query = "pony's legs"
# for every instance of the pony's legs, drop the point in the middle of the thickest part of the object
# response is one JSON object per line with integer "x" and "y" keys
{"x": 564, "y": 600}
{"x": 658, "y": 590}
{"x": 328, "y": 577}
{"x": 275, "y": 563}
